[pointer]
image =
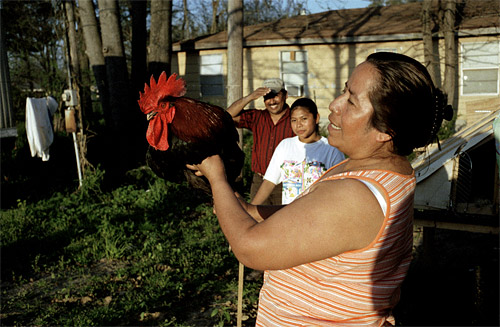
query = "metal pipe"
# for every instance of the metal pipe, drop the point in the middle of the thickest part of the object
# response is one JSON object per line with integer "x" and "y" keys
{"x": 78, "y": 164}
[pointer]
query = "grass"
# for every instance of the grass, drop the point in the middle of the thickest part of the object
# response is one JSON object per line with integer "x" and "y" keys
{"x": 131, "y": 256}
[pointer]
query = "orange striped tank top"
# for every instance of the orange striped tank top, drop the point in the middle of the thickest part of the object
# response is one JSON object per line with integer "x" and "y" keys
{"x": 355, "y": 288}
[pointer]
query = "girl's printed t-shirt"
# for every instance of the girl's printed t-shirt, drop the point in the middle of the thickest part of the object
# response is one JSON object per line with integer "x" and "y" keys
{"x": 298, "y": 176}
{"x": 299, "y": 164}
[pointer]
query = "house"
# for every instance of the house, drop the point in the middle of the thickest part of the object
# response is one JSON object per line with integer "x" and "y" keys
{"x": 315, "y": 54}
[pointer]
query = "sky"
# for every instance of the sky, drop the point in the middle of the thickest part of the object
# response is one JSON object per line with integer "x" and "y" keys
{"x": 316, "y": 6}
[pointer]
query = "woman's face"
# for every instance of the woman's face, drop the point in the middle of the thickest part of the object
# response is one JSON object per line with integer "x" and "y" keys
{"x": 349, "y": 129}
{"x": 304, "y": 124}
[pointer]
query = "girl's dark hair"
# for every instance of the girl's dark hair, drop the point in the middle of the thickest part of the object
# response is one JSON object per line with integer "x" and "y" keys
{"x": 307, "y": 104}
{"x": 406, "y": 104}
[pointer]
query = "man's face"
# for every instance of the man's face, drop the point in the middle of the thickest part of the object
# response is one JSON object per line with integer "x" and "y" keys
{"x": 275, "y": 102}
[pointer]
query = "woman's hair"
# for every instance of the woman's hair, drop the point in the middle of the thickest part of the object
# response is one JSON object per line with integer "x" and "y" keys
{"x": 309, "y": 105}
{"x": 406, "y": 104}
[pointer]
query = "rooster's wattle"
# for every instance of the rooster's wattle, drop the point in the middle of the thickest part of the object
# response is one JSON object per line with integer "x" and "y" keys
{"x": 185, "y": 131}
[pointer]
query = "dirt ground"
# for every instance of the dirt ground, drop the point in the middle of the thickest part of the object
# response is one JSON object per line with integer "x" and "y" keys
{"x": 453, "y": 280}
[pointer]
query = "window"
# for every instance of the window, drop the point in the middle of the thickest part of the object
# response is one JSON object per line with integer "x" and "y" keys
{"x": 294, "y": 71}
{"x": 480, "y": 68}
{"x": 211, "y": 79}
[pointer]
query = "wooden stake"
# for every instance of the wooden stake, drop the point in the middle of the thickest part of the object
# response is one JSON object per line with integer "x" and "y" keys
{"x": 239, "y": 314}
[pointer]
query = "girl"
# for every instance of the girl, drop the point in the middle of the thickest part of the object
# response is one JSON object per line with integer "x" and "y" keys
{"x": 300, "y": 160}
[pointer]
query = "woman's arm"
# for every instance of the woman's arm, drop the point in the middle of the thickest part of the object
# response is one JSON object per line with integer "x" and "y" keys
{"x": 334, "y": 217}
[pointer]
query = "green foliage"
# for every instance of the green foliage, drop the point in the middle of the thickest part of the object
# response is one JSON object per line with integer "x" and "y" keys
{"x": 33, "y": 41}
{"x": 447, "y": 129}
{"x": 130, "y": 256}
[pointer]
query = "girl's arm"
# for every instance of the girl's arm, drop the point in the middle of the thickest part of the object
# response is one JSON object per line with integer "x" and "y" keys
{"x": 258, "y": 212}
{"x": 265, "y": 189}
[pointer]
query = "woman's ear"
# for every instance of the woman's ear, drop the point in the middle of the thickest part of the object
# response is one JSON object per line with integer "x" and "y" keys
{"x": 383, "y": 137}
{"x": 317, "y": 118}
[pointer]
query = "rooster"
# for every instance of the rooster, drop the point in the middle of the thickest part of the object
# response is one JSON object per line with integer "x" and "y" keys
{"x": 185, "y": 131}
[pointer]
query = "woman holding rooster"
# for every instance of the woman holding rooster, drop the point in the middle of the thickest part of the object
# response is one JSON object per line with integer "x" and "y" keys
{"x": 338, "y": 254}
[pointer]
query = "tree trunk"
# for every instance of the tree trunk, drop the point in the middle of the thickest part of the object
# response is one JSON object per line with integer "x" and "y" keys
{"x": 73, "y": 44}
{"x": 235, "y": 92}
{"x": 7, "y": 112}
{"x": 139, "y": 45}
{"x": 124, "y": 133}
{"x": 139, "y": 73}
{"x": 93, "y": 49}
{"x": 215, "y": 16}
{"x": 235, "y": 54}
{"x": 160, "y": 38}
{"x": 114, "y": 58}
{"x": 450, "y": 43}
{"x": 186, "y": 34}
{"x": 431, "y": 59}
{"x": 235, "y": 51}
{"x": 76, "y": 80}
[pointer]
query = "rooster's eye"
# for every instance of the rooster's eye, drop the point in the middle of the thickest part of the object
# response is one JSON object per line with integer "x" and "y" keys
{"x": 163, "y": 105}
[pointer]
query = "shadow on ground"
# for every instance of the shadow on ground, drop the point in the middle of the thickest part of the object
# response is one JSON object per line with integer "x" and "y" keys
{"x": 453, "y": 281}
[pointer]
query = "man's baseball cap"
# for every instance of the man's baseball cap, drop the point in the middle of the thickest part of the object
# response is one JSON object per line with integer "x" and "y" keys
{"x": 275, "y": 84}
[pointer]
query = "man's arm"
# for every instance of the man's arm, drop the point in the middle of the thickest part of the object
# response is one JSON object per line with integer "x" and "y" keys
{"x": 235, "y": 109}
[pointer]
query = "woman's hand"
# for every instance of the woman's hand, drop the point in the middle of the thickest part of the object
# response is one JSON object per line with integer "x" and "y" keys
{"x": 211, "y": 167}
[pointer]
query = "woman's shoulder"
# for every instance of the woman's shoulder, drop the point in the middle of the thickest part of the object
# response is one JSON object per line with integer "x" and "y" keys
{"x": 344, "y": 169}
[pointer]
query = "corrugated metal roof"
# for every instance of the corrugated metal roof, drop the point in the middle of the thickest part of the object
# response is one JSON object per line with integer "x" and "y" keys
{"x": 433, "y": 159}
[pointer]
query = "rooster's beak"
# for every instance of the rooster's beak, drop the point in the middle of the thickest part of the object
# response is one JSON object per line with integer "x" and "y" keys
{"x": 151, "y": 115}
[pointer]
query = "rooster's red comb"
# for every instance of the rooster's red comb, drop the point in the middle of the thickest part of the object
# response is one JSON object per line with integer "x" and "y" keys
{"x": 148, "y": 101}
